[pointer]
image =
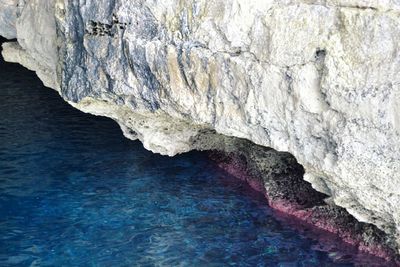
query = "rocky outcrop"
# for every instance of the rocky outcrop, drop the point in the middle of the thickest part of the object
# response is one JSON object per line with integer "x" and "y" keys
{"x": 279, "y": 177}
{"x": 316, "y": 78}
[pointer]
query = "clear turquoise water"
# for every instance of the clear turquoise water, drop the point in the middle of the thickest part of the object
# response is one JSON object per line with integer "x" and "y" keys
{"x": 75, "y": 192}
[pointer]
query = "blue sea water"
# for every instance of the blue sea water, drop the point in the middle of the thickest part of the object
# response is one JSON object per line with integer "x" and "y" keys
{"x": 75, "y": 192}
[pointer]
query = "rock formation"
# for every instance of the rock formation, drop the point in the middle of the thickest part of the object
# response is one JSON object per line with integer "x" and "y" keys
{"x": 315, "y": 78}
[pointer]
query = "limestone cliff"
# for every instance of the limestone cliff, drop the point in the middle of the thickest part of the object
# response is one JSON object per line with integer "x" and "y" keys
{"x": 316, "y": 78}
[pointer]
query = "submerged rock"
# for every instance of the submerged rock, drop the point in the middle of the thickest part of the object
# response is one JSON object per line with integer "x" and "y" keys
{"x": 317, "y": 79}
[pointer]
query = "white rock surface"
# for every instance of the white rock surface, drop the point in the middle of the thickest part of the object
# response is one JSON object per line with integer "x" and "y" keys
{"x": 317, "y": 78}
{"x": 8, "y": 18}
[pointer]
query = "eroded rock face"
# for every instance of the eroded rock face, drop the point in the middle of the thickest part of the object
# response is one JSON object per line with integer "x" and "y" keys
{"x": 8, "y": 18}
{"x": 316, "y": 78}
